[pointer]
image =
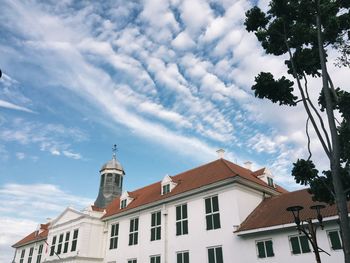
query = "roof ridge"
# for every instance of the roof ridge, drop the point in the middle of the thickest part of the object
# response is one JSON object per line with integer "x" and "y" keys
{"x": 176, "y": 175}
{"x": 225, "y": 162}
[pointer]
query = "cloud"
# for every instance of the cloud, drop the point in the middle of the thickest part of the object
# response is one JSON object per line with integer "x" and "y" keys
{"x": 47, "y": 137}
{"x": 27, "y": 205}
{"x": 11, "y": 106}
{"x": 178, "y": 77}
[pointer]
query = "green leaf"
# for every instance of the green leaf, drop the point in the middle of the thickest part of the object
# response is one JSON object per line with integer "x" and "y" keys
{"x": 275, "y": 90}
{"x": 304, "y": 171}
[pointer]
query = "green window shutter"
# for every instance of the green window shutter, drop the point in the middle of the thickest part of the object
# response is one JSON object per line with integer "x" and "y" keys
{"x": 158, "y": 233}
{"x": 179, "y": 258}
{"x": 131, "y": 225}
{"x": 208, "y": 205}
{"x": 184, "y": 211}
{"x": 178, "y": 228}
{"x": 304, "y": 242}
{"x": 158, "y": 259}
{"x": 261, "y": 249}
{"x": 216, "y": 218}
{"x": 135, "y": 238}
{"x": 153, "y": 234}
{"x": 159, "y": 219}
{"x": 209, "y": 220}
{"x": 184, "y": 227}
{"x": 294, "y": 241}
{"x": 136, "y": 224}
{"x": 218, "y": 253}
{"x": 215, "y": 204}
{"x": 211, "y": 255}
{"x": 153, "y": 219}
{"x": 335, "y": 240}
{"x": 269, "y": 248}
{"x": 178, "y": 212}
{"x": 186, "y": 257}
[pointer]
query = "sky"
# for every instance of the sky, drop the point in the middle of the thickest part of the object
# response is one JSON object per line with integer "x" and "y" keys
{"x": 168, "y": 81}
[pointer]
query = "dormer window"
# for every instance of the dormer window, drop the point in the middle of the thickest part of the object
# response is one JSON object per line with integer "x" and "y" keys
{"x": 265, "y": 175}
{"x": 167, "y": 185}
{"x": 166, "y": 189}
{"x": 270, "y": 181}
{"x": 125, "y": 200}
{"x": 123, "y": 204}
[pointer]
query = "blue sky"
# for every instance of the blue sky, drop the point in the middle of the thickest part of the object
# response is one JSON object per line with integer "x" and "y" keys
{"x": 168, "y": 81}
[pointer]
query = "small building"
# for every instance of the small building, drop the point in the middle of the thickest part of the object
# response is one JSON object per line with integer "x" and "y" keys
{"x": 218, "y": 212}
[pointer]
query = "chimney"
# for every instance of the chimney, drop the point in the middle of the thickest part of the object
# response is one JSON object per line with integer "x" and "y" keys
{"x": 221, "y": 153}
{"x": 248, "y": 165}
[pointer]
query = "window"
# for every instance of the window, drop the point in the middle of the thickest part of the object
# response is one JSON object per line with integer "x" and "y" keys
{"x": 156, "y": 226}
{"x": 113, "y": 242}
{"x": 215, "y": 255}
{"x": 299, "y": 244}
{"x": 30, "y": 255}
{"x": 134, "y": 260}
{"x": 59, "y": 247}
{"x": 334, "y": 238}
{"x": 166, "y": 189}
{"x": 181, "y": 220}
{"x": 40, "y": 251}
{"x": 66, "y": 242}
{"x": 212, "y": 212}
{"x": 23, "y": 252}
{"x": 155, "y": 259}
{"x": 270, "y": 181}
{"x": 182, "y": 257}
{"x": 52, "y": 248}
{"x": 134, "y": 227}
{"x": 123, "y": 203}
{"x": 75, "y": 240}
{"x": 265, "y": 248}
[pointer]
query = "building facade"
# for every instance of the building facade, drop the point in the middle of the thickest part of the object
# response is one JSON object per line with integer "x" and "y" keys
{"x": 218, "y": 212}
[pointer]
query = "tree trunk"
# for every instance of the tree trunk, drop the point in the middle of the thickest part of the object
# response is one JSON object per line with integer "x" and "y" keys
{"x": 340, "y": 197}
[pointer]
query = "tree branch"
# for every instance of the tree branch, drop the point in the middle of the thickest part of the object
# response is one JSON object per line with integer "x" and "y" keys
{"x": 317, "y": 113}
{"x": 326, "y": 149}
{"x": 308, "y": 138}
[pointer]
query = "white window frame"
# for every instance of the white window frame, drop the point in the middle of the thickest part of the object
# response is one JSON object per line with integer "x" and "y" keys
{"x": 113, "y": 237}
{"x": 183, "y": 255}
{"x": 134, "y": 232}
{"x": 182, "y": 220}
{"x": 215, "y": 258}
{"x": 330, "y": 242}
{"x": 30, "y": 256}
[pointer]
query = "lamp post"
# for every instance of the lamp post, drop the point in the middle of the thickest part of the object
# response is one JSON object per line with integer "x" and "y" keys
{"x": 309, "y": 229}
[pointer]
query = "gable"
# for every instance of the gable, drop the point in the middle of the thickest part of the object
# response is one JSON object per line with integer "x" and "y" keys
{"x": 68, "y": 215}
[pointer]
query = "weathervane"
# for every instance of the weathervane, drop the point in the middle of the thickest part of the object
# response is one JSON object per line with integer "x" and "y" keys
{"x": 114, "y": 151}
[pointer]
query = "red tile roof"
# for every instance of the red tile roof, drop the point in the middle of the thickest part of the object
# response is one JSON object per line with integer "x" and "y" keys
{"x": 272, "y": 210}
{"x": 204, "y": 175}
{"x": 34, "y": 236}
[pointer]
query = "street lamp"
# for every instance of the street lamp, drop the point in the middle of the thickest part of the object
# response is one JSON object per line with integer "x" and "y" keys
{"x": 310, "y": 228}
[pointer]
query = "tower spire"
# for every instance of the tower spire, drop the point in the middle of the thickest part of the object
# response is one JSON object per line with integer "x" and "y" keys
{"x": 114, "y": 152}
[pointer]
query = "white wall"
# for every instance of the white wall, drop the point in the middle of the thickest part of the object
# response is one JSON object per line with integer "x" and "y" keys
{"x": 27, "y": 249}
{"x": 90, "y": 238}
{"x": 235, "y": 203}
{"x": 282, "y": 248}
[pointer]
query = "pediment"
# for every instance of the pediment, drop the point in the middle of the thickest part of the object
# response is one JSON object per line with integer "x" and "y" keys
{"x": 67, "y": 215}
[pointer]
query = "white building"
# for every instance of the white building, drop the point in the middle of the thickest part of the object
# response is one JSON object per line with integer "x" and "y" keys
{"x": 218, "y": 212}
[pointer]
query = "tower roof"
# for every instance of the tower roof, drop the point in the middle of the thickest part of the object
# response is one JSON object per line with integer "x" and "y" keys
{"x": 112, "y": 165}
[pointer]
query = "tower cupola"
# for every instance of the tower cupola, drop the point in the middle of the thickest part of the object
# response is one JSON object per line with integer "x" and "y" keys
{"x": 111, "y": 183}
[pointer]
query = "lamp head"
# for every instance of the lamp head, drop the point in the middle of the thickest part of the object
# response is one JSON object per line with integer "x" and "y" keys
{"x": 295, "y": 211}
{"x": 318, "y": 211}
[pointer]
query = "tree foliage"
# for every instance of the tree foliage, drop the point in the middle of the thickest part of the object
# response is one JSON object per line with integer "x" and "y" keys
{"x": 305, "y": 30}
